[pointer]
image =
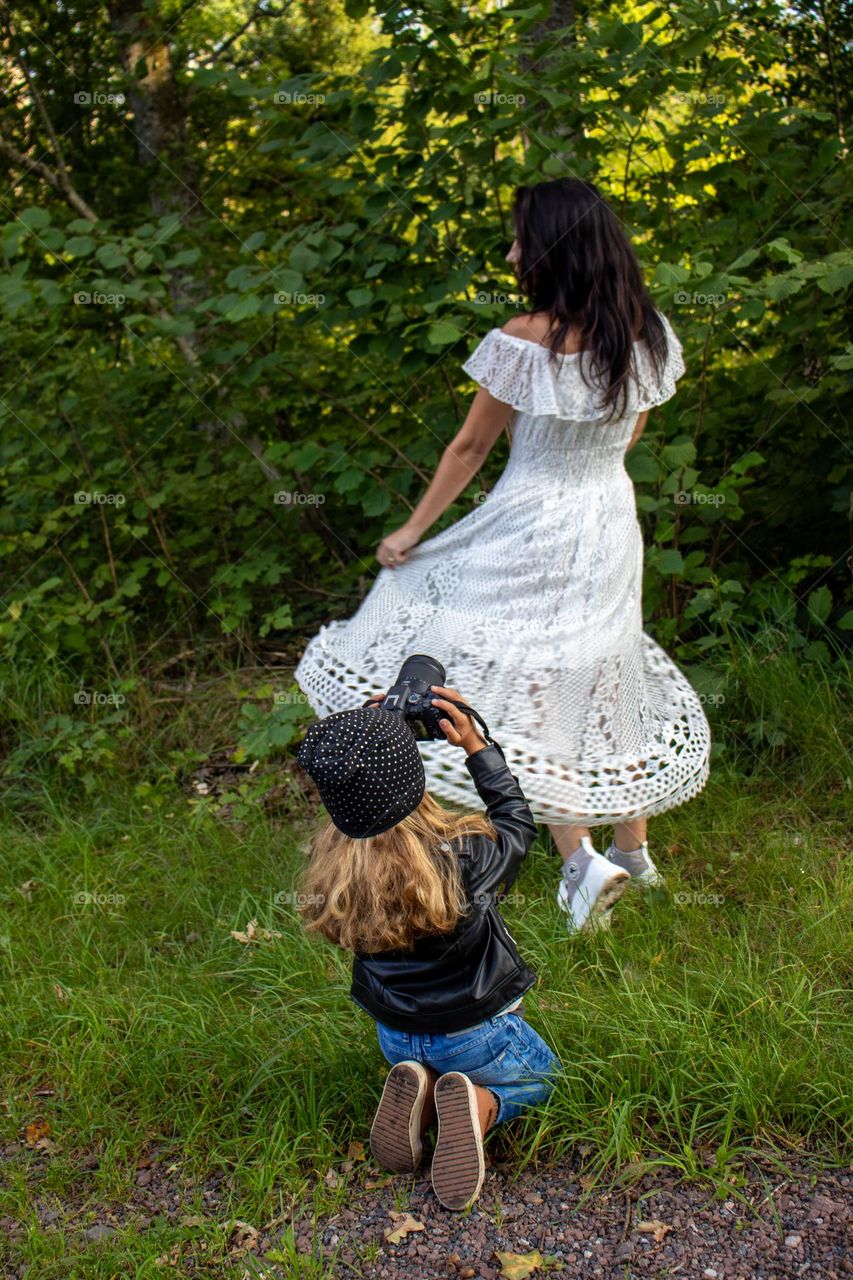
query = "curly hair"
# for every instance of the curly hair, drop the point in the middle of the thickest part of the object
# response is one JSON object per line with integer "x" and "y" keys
{"x": 385, "y": 892}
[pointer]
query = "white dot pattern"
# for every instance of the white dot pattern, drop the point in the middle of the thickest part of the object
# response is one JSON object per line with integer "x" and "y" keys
{"x": 367, "y": 768}
{"x": 533, "y": 603}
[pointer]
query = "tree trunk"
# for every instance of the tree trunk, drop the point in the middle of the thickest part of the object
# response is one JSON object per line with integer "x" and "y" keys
{"x": 561, "y": 18}
{"x": 158, "y": 102}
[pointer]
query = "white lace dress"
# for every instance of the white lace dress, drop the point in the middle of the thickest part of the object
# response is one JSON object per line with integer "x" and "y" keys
{"x": 532, "y": 602}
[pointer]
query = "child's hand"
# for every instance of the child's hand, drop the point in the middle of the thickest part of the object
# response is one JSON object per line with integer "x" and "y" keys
{"x": 374, "y": 697}
{"x": 458, "y": 727}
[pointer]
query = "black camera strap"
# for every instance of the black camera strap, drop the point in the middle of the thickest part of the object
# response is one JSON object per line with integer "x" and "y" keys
{"x": 463, "y": 706}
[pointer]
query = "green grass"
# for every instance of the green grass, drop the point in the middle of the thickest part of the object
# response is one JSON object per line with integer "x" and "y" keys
{"x": 714, "y": 1020}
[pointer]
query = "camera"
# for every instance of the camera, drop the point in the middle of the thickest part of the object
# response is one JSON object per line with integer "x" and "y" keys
{"x": 409, "y": 696}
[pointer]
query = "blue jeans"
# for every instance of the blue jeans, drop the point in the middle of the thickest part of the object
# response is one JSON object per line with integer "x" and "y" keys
{"x": 504, "y": 1054}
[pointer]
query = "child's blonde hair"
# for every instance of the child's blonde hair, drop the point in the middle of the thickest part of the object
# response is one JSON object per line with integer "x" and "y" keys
{"x": 384, "y": 892}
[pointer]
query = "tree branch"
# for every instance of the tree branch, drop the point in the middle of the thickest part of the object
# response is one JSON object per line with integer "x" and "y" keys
{"x": 59, "y": 181}
{"x": 257, "y": 12}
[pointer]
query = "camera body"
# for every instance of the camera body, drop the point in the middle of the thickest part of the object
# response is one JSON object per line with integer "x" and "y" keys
{"x": 409, "y": 696}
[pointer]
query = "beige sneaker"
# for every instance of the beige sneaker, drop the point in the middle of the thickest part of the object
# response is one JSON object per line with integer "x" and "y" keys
{"x": 395, "y": 1135}
{"x": 458, "y": 1165}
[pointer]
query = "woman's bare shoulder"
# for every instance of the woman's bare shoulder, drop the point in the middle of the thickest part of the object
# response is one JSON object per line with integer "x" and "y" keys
{"x": 535, "y": 327}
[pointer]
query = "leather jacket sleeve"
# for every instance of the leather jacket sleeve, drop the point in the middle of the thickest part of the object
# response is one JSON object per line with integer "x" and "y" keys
{"x": 491, "y": 863}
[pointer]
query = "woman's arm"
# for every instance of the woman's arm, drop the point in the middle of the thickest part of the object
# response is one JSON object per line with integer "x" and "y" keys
{"x": 639, "y": 429}
{"x": 460, "y": 462}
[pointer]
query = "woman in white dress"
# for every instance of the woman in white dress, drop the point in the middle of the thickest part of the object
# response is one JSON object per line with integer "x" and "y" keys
{"x": 532, "y": 602}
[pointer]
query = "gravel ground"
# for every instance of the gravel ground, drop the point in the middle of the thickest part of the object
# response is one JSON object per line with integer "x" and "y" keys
{"x": 773, "y": 1224}
{"x": 778, "y": 1224}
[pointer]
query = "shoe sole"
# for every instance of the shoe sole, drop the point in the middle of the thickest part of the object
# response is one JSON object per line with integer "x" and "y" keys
{"x": 599, "y": 917}
{"x": 395, "y": 1139}
{"x": 611, "y": 891}
{"x": 458, "y": 1165}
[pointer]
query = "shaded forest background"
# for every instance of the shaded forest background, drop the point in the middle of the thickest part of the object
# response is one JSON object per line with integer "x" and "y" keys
{"x": 246, "y": 249}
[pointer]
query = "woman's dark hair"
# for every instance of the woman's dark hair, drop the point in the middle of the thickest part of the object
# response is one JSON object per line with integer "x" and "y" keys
{"x": 577, "y": 265}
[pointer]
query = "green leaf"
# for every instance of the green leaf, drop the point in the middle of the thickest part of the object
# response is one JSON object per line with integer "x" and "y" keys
{"x": 670, "y": 561}
{"x": 376, "y": 502}
{"x": 442, "y": 334}
{"x": 303, "y": 259}
{"x": 679, "y": 453}
{"x": 836, "y": 280}
{"x": 670, "y": 273}
{"x": 110, "y": 257}
{"x": 781, "y": 251}
{"x": 248, "y": 306}
{"x": 642, "y": 466}
{"x": 820, "y": 604}
{"x": 80, "y": 246}
{"x": 745, "y": 259}
{"x": 778, "y": 287}
{"x": 34, "y": 219}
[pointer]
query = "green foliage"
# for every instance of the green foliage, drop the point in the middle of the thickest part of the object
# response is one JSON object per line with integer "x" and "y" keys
{"x": 240, "y": 347}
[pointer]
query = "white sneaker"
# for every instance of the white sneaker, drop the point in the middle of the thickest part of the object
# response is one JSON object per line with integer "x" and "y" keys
{"x": 590, "y": 886}
{"x": 638, "y": 864}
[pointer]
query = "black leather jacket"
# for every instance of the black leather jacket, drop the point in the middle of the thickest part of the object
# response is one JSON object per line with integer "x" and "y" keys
{"x": 451, "y": 981}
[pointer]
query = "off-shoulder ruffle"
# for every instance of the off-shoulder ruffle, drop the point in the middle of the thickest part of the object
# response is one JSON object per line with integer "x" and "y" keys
{"x": 522, "y": 374}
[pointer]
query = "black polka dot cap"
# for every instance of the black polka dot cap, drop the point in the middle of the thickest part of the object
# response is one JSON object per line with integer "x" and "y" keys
{"x": 367, "y": 768}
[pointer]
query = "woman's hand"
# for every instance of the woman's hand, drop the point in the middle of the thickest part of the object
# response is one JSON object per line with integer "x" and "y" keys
{"x": 394, "y": 549}
{"x": 459, "y": 728}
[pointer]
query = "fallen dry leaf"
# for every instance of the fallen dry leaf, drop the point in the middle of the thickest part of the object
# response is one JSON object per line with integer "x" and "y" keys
{"x": 654, "y": 1228}
{"x": 254, "y": 934}
{"x": 515, "y": 1266}
{"x": 405, "y": 1223}
{"x": 356, "y": 1151}
{"x": 193, "y": 1220}
{"x": 373, "y": 1184}
{"x": 244, "y": 1238}
{"x": 26, "y": 889}
{"x": 172, "y": 1258}
{"x": 61, "y": 995}
{"x": 36, "y": 1131}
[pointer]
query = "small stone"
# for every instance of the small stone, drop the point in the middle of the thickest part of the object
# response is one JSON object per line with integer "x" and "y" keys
{"x": 98, "y": 1231}
{"x": 792, "y": 1241}
{"x": 709, "y": 1274}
